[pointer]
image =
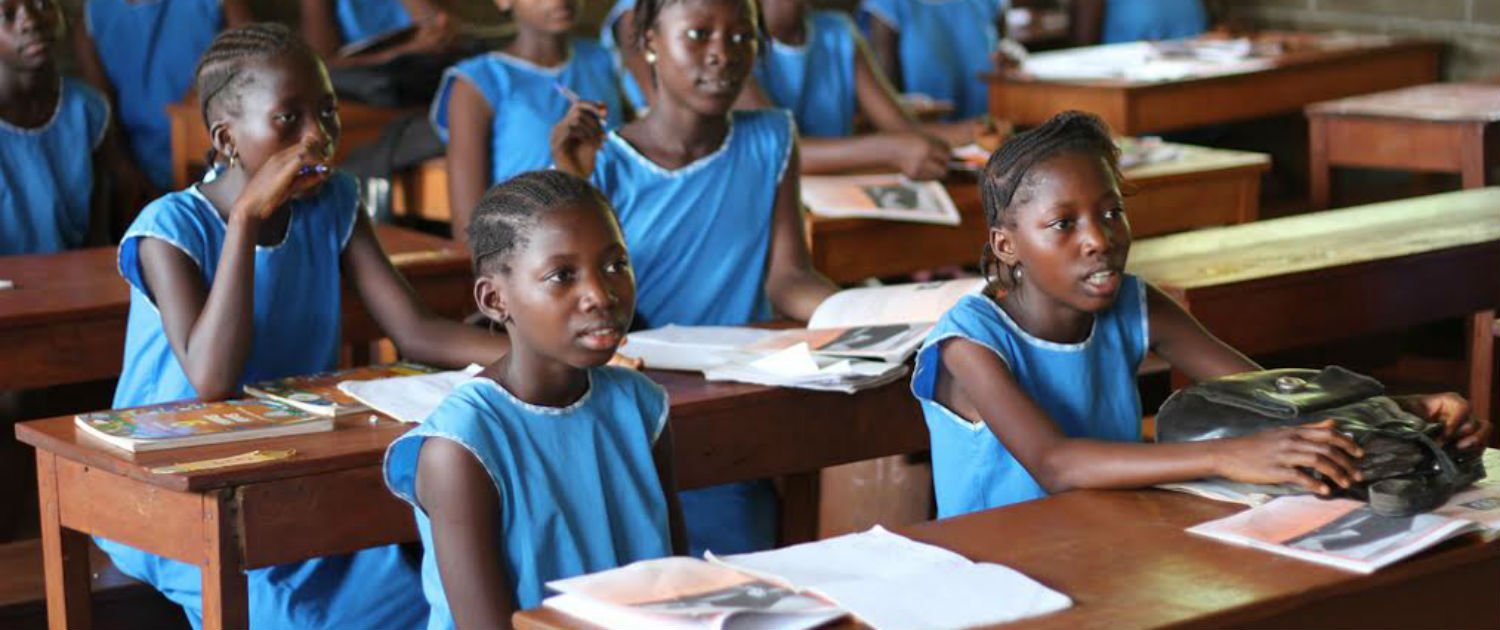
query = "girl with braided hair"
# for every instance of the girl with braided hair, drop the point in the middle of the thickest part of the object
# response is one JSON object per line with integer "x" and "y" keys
{"x": 1028, "y": 388}
{"x": 505, "y": 498}
{"x": 238, "y": 280}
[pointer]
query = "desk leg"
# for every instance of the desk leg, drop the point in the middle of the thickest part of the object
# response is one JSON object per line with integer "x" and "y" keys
{"x": 65, "y": 556}
{"x": 1475, "y": 167}
{"x": 1318, "y": 176}
{"x": 226, "y": 596}
{"x": 799, "y": 508}
{"x": 1481, "y": 362}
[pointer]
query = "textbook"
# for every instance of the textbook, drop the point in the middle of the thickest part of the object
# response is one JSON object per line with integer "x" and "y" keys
{"x": 182, "y": 424}
{"x": 884, "y": 323}
{"x": 319, "y": 393}
{"x": 892, "y": 197}
{"x": 408, "y": 399}
{"x": 885, "y": 580}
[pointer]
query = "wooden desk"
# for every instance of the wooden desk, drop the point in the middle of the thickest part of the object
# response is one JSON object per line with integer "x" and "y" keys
{"x": 1127, "y": 563}
{"x": 65, "y": 320}
{"x": 231, "y": 520}
{"x": 1201, "y": 187}
{"x": 1284, "y": 283}
{"x": 1442, "y": 127}
{"x": 360, "y": 124}
{"x": 1284, "y": 84}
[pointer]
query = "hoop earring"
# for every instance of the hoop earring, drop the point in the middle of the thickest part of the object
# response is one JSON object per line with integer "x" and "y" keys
{"x": 234, "y": 159}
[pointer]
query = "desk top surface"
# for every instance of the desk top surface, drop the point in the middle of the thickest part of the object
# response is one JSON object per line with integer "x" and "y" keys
{"x": 1137, "y": 64}
{"x": 1435, "y": 102}
{"x": 1319, "y": 240}
{"x": 86, "y": 283}
{"x": 355, "y": 441}
{"x": 1124, "y": 559}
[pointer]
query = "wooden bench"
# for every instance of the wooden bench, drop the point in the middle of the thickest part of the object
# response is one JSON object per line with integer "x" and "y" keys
{"x": 119, "y": 601}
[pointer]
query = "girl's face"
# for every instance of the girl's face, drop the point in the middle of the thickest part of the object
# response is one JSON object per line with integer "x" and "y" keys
{"x": 704, "y": 50}
{"x": 287, "y": 98}
{"x": 28, "y": 31}
{"x": 569, "y": 291}
{"x": 554, "y": 17}
{"x": 1068, "y": 232}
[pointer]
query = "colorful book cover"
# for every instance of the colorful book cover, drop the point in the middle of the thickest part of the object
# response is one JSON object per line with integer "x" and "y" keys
{"x": 191, "y": 423}
{"x": 320, "y": 394}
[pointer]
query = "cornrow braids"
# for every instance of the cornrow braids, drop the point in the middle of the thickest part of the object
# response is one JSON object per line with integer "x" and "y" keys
{"x": 508, "y": 211}
{"x": 221, "y": 71}
{"x": 1007, "y": 173}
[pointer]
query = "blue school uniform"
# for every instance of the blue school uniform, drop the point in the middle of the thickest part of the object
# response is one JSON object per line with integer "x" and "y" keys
{"x": 561, "y": 513}
{"x": 526, "y": 103}
{"x": 632, "y": 89}
{"x": 296, "y": 321}
{"x": 1087, "y": 388}
{"x": 1136, "y": 20}
{"x": 699, "y": 236}
{"x": 149, "y": 50}
{"x": 815, "y": 80}
{"x": 363, "y": 19}
{"x": 944, "y": 46}
{"x": 47, "y": 174}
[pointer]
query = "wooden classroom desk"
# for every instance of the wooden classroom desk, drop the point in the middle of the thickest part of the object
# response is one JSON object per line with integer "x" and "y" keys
{"x": 1441, "y": 127}
{"x": 1201, "y": 187}
{"x": 1289, "y": 82}
{"x": 64, "y": 322}
{"x": 329, "y": 498}
{"x": 1297, "y": 281}
{"x": 1124, "y": 559}
{"x": 360, "y": 124}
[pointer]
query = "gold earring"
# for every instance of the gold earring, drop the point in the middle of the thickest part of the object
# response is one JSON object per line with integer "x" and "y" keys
{"x": 234, "y": 159}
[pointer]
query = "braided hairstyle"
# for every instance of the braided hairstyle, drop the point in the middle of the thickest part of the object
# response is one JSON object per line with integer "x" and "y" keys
{"x": 223, "y": 70}
{"x": 508, "y": 211}
{"x": 1006, "y": 182}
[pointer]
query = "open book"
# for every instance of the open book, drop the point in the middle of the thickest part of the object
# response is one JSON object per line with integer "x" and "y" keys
{"x": 182, "y": 424}
{"x": 892, "y": 197}
{"x": 319, "y": 393}
{"x": 886, "y": 580}
{"x": 407, "y": 398}
{"x": 882, "y": 323}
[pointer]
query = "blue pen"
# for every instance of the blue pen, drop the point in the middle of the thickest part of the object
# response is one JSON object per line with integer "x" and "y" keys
{"x": 573, "y": 98}
{"x": 320, "y": 169}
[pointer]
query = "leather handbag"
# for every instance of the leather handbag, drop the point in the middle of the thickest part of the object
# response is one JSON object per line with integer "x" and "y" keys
{"x": 1405, "y": 470}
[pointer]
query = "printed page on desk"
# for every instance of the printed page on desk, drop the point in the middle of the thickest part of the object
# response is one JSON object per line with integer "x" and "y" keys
{"x": 1341, "y": 533}
{"x": 891, "y": 582}
{"x": 892, "y": 197}
{"x": 408, "y": 399}
{"x": 686, "y": 593}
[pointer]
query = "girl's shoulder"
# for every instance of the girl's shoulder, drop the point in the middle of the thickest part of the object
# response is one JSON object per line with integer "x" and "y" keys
{"x": 833, "y": 21}
{"x": 628, "y": 389}
{"x": 174, "y": 213}
{"x": 590, "y": 50}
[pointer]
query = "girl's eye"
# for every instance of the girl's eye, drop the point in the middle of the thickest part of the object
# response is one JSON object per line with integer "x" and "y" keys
{"x": 560, "y": 276}
{"x": 697, "y": 34}
{"x": 1060, "y": 224}
{"x": 330, "y": 111}
{"x": 739, "y": 38}
{"x": 286, "y": 118}
{"x": 1115, "y": 214}
{"x": 618, "y": 266}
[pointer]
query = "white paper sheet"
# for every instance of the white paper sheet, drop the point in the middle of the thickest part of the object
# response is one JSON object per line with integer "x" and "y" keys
{"x": 409, "y": 399}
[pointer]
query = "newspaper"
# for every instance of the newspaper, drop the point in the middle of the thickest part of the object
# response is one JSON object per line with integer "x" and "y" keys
{"x": 892, "y": 197}
{"x": 1342, "y": 533}
{"x": 884, "y": 579}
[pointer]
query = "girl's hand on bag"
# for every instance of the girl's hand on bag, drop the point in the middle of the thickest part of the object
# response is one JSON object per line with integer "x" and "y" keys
{"x": 1287, "y": 454}
{"x": 1451, "y": 411}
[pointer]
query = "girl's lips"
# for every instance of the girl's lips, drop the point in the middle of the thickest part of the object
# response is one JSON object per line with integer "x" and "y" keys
{"x": 1103, "y": 283}
{"x": 605, "y": 338}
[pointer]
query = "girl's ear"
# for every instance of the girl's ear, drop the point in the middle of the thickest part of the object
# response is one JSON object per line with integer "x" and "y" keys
{"x": 489, "y": 296}
{"x": 648, "y": 45}
{"x": 222, "y": 139}
{"x": 1003, "y": 246}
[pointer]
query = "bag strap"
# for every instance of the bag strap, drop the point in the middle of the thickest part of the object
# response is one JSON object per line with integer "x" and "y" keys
{"x": 1409, "y": 495}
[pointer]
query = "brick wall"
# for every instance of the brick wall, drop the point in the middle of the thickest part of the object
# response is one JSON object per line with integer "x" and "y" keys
{"x": 1470, "y": 27}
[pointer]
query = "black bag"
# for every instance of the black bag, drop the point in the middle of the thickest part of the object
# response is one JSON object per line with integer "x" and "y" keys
{"x": 1405, "y": 470}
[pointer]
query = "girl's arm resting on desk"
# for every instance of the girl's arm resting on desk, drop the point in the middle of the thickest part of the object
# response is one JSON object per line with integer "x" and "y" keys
{"x": 977, "y": 385}
{"x": 469, "y": 130}
{"x": 661, "y": 453}
{"x": 419, "y": 334}
{"x": 1181, "y": 341}
{"x": 795, "y": 288}
{"x": 463, "y": 506}
{"x": 320, "y": 28}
